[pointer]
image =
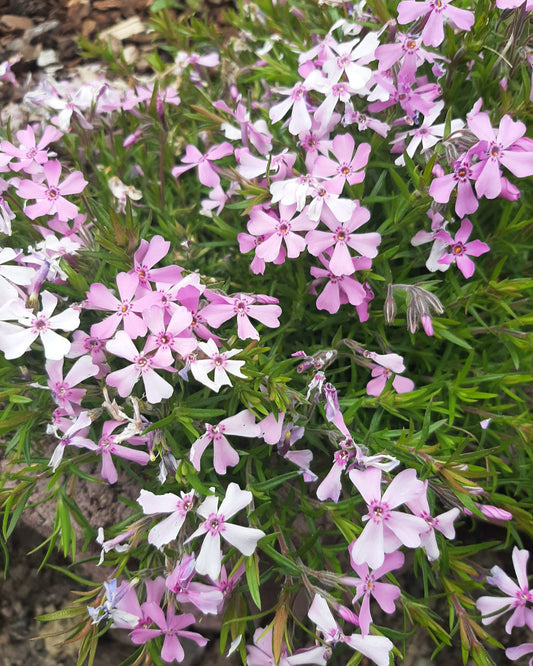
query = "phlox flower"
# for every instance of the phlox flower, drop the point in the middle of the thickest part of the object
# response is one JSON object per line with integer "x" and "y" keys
{"x": 442, "y": 186}
{"x": 224, "y": 455}
{"x": 174, "y": 337}
{"x": 50, "y": 196}
{"x": 219, "y": 362}
{"x": 13, "y": 274}
{"x": 207, "y": 172}
{"x": 146, "y": 256}
{"x": 340, "y": 289}
{"x": 125, "y": 309}
{"x": 364, "y": 121}
{"x": 514, "y": 653}
{"x": 107, "y": 446}
{"x": 347, "y": 166}
{"x": 517, "y": 598}
{"x": 375, "y": 648}
{"x": 346, "y": 60}
{"x": 178, "y": 507}
{"x": 142, "y": 366}
{"x": 6, "y": 214}
{"x": 386, "y": 530}
{"x": 340, "y": 237}
{"x": 248, "y": 242}
{"x": 109, "y": 610}
{"x": 62, "y": 389}
{"x": 507, "y": 146}
{"x": 334, "y": 92}
{"x": 222, "y": 307}
{"x": 216, "y": 525}
{"x": 297, "y": 102}
{"x": 117, "y": 543}
{"x": 42, "y": 325}
{"x": 408, "y": 50}
{"x": 31, "y": 155}
{"x": 390, "y": 365}
{"x": 278, "y": 166}
{"x": 74, "y": 433}
{"x": 436, "y": 11}
{"x": 207, "y": 598}
{"x": 513, "y": 4}
{"x": 443, "y": 523}
{"x": 172, "y": 626}
{"x": 458, "y": 249}
{"x": 83, "y": 343}
{"x": 261, "y": 652}
{"x": 226, "y": 584}
{"x": 367, "y": 585}
{"x": 278, "y": 230}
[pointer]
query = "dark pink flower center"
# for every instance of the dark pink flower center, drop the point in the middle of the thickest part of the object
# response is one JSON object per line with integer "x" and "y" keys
{"x": 215, "y": 524}
{"x": 458, "y": 249}
{"x": 284, "y": 228}
{"x": 378, "y": 512}
{"x": 462, "y": 173}
{"x": 241, "y": 307}
{"x": 61, "y": 389}
{"x": 41, "y": 324}
{"x": 341, "y": 235}
{"x": 106, "y": 443}
{"x": 31, "y": 153}
{"x": 93, "y": 344}
{"x": 141, "y": 362}
{"x": 52, "y": 193}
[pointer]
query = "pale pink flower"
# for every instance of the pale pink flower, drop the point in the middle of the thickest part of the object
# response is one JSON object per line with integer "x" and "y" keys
{"x": 142, "y": 366}
{"x": 30, "y": 154}
{"x": 514, "y": 653}
{"x": 458, "y": 249}
{"x": 74, "y": 434}
{"x": 50, "y": 196}
{"x": 518, "y": 596}
{"x": 376, "y": 648}
{"x": 277, "y": 230}
{"x": 207, "y": 172}
{"x": 224, "y": 455}
{"x": 216, "y": 525}
{"x": 222, "y": 307}
{"x": 261, "y": 653}
{"x": 386, "y": 529}
{"x": 436, "y": 11}
{"x": 178, "y": 507}
{"x": 207, "y": 598}
{"x": 347, "y": 166}
{"x": 219, "y": 362}
{"x": 107, "y": 447}
{"x": 62, "y": 389}
{"x": 297, "y": 101}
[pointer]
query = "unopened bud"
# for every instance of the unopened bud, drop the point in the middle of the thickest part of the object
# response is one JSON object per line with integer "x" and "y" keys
{"x": 389, "y": 307}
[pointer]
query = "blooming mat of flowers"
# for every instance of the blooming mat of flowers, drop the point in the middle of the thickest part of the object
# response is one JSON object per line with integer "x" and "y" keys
{"x": 234, "y": 347}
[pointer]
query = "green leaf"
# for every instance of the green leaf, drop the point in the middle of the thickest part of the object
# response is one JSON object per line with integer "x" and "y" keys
{"x": 252, "y": 578}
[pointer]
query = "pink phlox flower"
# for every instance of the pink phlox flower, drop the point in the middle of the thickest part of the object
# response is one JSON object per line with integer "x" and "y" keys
{"x": 117, "y": 544}
{"x": 278, "y": 166}
{"x": 389, "y": 365}
{"x": 216, "y": 525}
{"x": 50, "y": 195}
{"x": 514, "y": 4}
{"x": 107, "y": 446}
{"x": 506, "y": 147}
{"x": 178, "y": 507}
{"x": 78, "y": 232}
{"x": 109, "y": 609}
{"x": 30, "y": 154}
{"x": 207, "y": 598}
{"x": 458, "y": 250}
{"x": 439, "y": 246}
{"x": 42, "y": 325}
{"x": 296, "y": 102}
{"x": 226, "y": 584}
{"x": 407, "y": 50}
{"x": 74, "y": 434}
{"x": 83, "y": 343}
{"x": 316, "y": 140}
{"x": 335, "y": 92}
{"x": 219, "y": 362}
{"x": 261, "y": 653}
{"x": 279, "y": 230}
{"x": 514, "y": 653}
{"x": 340, "y": 237}
{"x": 348, "y": 55}
{"x": 426, "y": 134}
{"x": 62, "y": 389}
{"x": 347, "y": 166}
{"x": 411, "y": 99}
{"x": 189, "y": 297}
{"x": 442, "y": 523}
{"x": 339, "y": 289}
{"x": 376, "y": 648}
{"x": 331, "y": 485}
{"x": 144, "y": 259}
{"x": 435, "y": 12}
{"x": 6, "y": 73}
{"x": 386, "y": 529}
{"x": 6, "y": 214}
{"x": 293, "y": 190}
{"x": 364, "y": 122}
{"x": 270, "y": 428}
{"x": 142, "y": 366}
{"x": 170, "y": 338}
{"x": 242, "y": 425}
{"x": 367, "y": 585}
{"x": 125, "y": 309}
{"x": 217, "y": 199}
{"x": 517, "y": 598}
{"x": 317, "y": 361}
{"x": 221, "y": 308}
{"x": 256, "y": 133}
{"x": 207, "y": 172}
{"x": 13, "y": 273}
{"x": 172, "y": 626}
{"x": 130, "y": 603}
{"x": 442, "y": 186}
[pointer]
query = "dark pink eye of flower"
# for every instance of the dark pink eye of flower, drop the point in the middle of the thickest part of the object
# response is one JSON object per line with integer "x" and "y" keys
{"x": 322, "y": 192}
{"x": 215, "y": 524}
{"x": 142, "y": 362}
{"x": 458, "y": 249}
{"x": 298, "y": 92}
{"x": 437, "y": 5}
{"x": 31, "y": 153}
{"x": 345, "y": 169}
{"x": 410, "y": 45}
{"x": 52, "y": 193}
{"x": 40, "y": 324}
{"x": 495, "y": 150}
{"x": 60, "y": 389}
{"x": 343, "y": 61}
{"x": 105, "y": 443}
{"x": 284, "y": 228}
{"x": 462, "y": 173}
{"x": 241, "y": 307}
{"x": 142, "y": 272}
{"x": 124, "y": 307}
{"x": 218, "y": 361}
{"x": 338, "y": 89}
{"x": 341, "y": 235}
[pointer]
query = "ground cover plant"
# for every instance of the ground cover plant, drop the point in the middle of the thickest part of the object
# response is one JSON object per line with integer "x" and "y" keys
{"x": 281, "y": 287}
